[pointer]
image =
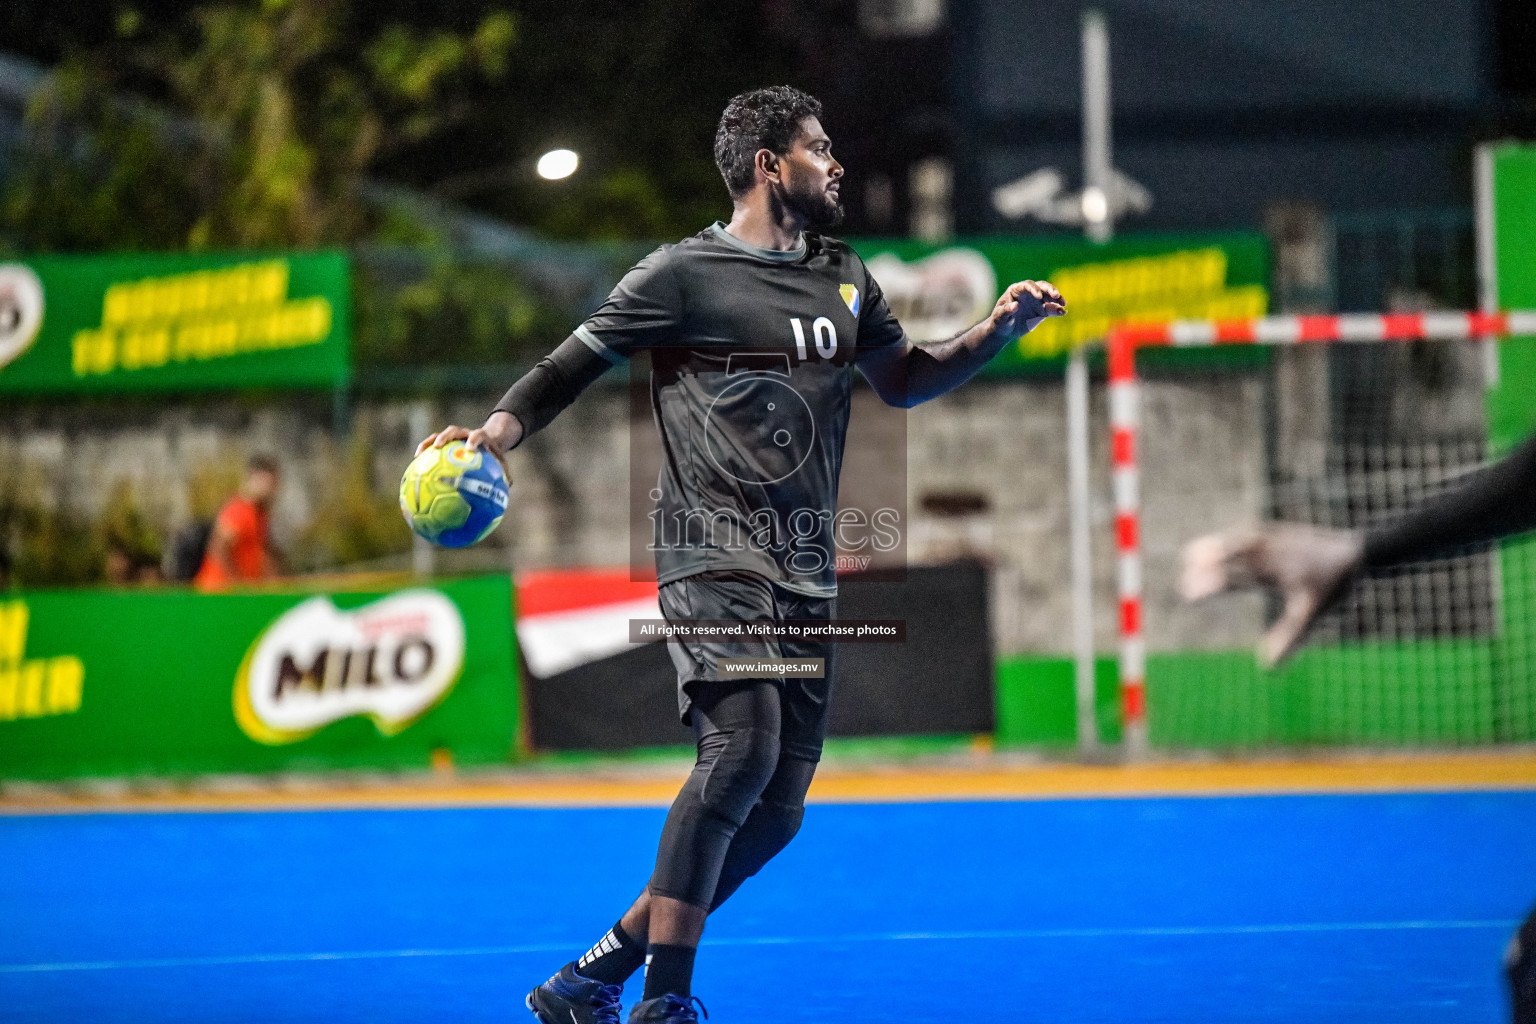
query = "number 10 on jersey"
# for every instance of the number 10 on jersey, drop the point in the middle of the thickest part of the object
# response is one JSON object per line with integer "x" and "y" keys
{"x": 823, "y": 330}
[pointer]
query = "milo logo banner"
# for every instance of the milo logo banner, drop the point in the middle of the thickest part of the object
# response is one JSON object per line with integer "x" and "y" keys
{"x": 938, "y": 291}
{"x": 166, "y": 682}
{"x": 391, "y": 661}
{"x": 102, "y": 324}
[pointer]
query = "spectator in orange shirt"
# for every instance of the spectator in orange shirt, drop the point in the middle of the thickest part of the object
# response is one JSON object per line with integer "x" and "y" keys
{"x": 240, "y": 546}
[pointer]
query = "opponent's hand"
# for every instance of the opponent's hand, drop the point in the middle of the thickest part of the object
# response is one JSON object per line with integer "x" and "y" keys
{"x": 1025, "y": 306}
{"x": 1311, "y": 567}
{"x": 499, "y": 433}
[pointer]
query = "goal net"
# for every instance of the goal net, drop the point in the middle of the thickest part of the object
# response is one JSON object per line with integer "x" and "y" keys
{"x": 1437, "y": 653}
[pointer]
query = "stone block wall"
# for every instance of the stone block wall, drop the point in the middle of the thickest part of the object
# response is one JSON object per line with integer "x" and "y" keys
{"x": 985, "y": 476}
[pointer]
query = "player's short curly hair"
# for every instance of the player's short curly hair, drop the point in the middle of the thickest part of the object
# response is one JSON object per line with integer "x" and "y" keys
{"x": 762, "y": 119}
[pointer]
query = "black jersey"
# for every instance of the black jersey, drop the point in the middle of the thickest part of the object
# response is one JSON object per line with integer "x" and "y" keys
{"x": 752, "y": 355}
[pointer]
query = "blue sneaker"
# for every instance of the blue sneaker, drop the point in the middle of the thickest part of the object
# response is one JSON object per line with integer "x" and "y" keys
{"x": 568, "y": 998}
{"x": 667, "y": 1009}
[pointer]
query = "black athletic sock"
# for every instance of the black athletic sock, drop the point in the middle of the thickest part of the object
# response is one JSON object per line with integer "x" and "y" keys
{"x": 669, "y": 969}
{"x": 615, "y": 957}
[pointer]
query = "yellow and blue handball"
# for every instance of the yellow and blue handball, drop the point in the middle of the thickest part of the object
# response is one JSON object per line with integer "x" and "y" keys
{"x": 454, "y": 495}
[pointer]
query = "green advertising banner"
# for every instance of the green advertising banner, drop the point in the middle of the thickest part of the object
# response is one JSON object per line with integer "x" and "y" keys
{"x": 116, "y": 324}
{"x": 174, "y": 682}
{"x": 937, "y": 291}
{"x": 1507, "y": 226}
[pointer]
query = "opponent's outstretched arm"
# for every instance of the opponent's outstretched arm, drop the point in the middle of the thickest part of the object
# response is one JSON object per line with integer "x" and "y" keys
{"x": 1313, "y": 567}
{"x": 904, "y": 375}
{"x": 537, "y": 397}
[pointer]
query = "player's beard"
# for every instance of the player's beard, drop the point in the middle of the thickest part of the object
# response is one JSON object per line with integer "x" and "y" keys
{"x": 820, "y": 208}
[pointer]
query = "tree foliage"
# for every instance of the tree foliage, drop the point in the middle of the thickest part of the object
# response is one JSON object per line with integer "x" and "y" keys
{"x": 272, "y": 116}
{"x": 416, "y": 308}
{"x": 456, "y": 97}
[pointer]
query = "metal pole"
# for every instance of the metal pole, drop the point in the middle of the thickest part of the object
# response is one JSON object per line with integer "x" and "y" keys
{"x": 1082, "y": 551}
{"x": 1487, "y": 260}
{"x": 1124, "y": 422}
{"x": 1098, "y": 214}
{"x": 1099, "y": 227}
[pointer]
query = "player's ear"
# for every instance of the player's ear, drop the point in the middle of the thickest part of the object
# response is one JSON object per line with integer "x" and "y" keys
{"x": 768, "y": 163}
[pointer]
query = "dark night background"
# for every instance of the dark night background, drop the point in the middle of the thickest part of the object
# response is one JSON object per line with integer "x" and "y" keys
{"x": 1221, "y": 108}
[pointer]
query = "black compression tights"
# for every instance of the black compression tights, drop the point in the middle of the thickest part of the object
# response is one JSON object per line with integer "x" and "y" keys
{"x": 741, "y": 805}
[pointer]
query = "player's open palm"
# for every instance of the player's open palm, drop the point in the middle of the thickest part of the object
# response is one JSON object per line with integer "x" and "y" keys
{"x": 1025, "y": 306}
{"x": 1309, "y": 566}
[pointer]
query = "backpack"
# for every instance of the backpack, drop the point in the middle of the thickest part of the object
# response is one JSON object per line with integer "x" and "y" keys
{"x": 188, "y": 548}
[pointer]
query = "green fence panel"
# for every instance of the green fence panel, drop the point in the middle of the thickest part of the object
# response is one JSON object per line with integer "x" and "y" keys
{"x": 1512, "y": 419}
{"x": 1418, "y": 694}
{"x": 1037, "y": 701}
{"x": 1441, "y": 693}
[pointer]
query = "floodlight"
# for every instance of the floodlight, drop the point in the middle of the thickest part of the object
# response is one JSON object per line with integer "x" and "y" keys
{"x": 557, "y": 164}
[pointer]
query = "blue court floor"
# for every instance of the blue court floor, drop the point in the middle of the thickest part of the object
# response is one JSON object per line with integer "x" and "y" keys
{"x": 1346, "y": 908}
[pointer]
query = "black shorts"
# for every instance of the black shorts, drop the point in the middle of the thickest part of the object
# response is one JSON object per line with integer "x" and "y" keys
{"x": 748, "y": 597}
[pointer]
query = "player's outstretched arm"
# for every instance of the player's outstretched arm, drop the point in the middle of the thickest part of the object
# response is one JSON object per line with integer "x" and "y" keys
{"x": 908, "y": 374}
{"x": 537, "y": 397}
{"x": 1308, "y": 566}
{"x": 1312, "y": 567}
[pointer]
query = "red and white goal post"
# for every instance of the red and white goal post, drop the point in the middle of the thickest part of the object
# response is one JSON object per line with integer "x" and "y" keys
{"x": 1124, "y": 410}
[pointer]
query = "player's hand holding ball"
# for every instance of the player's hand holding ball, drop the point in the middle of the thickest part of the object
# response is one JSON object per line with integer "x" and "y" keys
{"x": 1025, "y": 306}
{"x": 455, "y": 491}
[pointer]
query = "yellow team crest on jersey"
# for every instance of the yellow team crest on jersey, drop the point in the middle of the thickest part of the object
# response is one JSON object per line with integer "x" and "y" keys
{"x": 850, "y": 296}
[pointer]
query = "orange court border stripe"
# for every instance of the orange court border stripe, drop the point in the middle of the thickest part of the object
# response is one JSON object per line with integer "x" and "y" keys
{"x": 837, "y": 783}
